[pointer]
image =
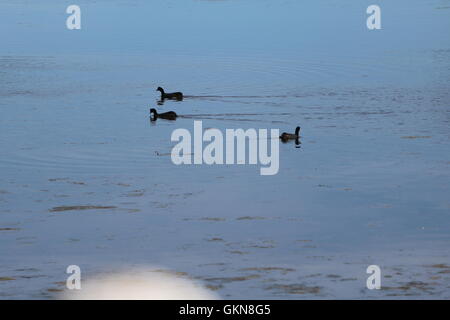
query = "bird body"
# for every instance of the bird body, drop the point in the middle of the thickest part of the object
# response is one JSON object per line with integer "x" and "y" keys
{"x": 170, "y": 96}
{"x": 290, "y": 136}
{"x": 170, "y": 115}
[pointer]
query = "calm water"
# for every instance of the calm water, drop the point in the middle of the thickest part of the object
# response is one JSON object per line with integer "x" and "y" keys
{"x": 86, "y": 179}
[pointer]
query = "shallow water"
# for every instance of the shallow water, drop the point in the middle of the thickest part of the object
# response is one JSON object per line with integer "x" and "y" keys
{"x": 87, "y": 179}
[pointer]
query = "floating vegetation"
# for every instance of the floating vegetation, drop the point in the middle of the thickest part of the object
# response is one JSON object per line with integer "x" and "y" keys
{"x": 213, "y": 287}
{"x": 237, "y": 252}
{"x": 348, "y": 279}
{"x": 268, "y": 269}
{"x": 266, "y": 244}
{"x": 7, "y": 279}
{"x": 212, "y": 219}
{"x": 234, "y": 279}
{"x": 412, "y": 285}
{"x": 76, "y": 208}
{"x": 135, "y": 193}
{"x": 444, "y": 268}
{"x": 295, "y": 288}
{"x": 251, "y": 218}
{"x": 9, "y": 229}
{"x": 172, "y": 272}
{"x": 215, "y": 240}
{"x": 416, "y": 137}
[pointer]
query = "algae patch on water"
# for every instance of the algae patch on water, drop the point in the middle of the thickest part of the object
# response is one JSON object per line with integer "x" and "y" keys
{"x": 7, "y": 279}
{"x": 9, "y": 229}
{"x": 416, "y": 137}
{"x": 295, "y": 288}
{"x": 76, "y": 208}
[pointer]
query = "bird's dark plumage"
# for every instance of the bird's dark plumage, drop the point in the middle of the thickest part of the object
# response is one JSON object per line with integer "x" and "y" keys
{"x": 170, "y": 115}
{"x": 290, "y": 136}
{"x": 170, "y": 96}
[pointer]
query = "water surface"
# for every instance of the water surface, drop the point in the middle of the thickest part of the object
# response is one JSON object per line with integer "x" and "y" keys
{"x": 87, "y": 179}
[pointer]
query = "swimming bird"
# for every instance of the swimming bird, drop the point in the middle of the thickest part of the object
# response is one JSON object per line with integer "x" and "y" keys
{"x": 290, "y": 136}
{"x": 170, "y": 115}
{"x": 174, "y": 95}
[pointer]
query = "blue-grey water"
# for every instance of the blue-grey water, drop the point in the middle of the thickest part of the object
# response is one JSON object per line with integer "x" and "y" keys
{"x": 87, "y": 179}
